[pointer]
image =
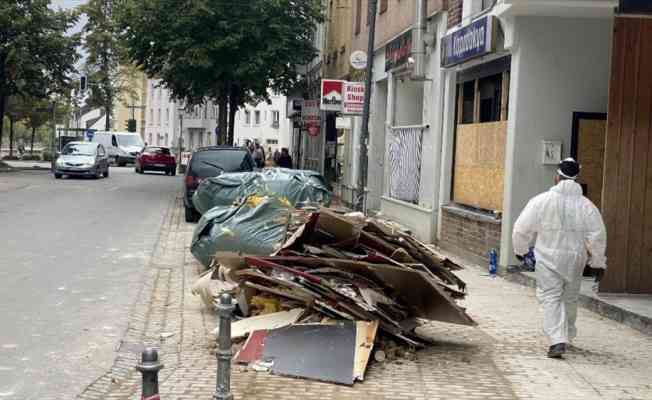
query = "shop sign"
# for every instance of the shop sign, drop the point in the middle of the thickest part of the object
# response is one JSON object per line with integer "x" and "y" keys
{"x": 310, "y": 116}
{"x": 343, "y": 123}
{"x": 473, "y": 40}
{"x": 635, "y": 7}
{"x": 331, "y": 94}
{"x": 353, "y": 98}
{"x": 398, "y": 51}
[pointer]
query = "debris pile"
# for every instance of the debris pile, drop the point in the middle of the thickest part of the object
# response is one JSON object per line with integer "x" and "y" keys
{"x": 315, "y": 305}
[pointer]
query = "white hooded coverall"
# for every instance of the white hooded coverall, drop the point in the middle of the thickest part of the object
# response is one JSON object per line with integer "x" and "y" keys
{"x": 566, "y": 230}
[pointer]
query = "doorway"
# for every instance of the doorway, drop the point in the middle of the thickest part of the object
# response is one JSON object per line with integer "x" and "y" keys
{"x": 587, "y": 147}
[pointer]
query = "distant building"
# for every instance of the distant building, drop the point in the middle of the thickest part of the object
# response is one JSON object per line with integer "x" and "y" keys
{"x": 265, "y": 123}
{"x": 163, "y": 120}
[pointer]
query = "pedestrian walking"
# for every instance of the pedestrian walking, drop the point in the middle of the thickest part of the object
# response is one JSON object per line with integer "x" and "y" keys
{"x": 285, "y": 159}
{"x": 277, "y": 155}
{"x": 259, "y": 155}
{"x": 567, "y": 232}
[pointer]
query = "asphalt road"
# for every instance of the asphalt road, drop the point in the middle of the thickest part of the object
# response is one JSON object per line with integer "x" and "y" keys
{"x": 72, "y": 253}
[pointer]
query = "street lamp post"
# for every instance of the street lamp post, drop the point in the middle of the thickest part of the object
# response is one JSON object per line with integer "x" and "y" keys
{"x": 180, "y": 139}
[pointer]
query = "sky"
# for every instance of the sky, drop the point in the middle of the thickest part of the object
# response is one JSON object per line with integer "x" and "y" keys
{"x": 71, "y": 4}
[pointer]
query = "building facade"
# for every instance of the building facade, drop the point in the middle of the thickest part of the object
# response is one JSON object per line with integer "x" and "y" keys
{"x": 165, "y": 118}
{"x": 265, "y": 123}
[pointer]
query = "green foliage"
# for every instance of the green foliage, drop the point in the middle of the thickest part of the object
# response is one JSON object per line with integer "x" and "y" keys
{"x": 107, "y": 81}
{"x": 220, "y": 48}
{"x": 37, "y": 57}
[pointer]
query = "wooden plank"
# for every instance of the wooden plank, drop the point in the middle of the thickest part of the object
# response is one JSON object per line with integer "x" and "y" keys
{"x": 646, "y": 268}
{"x": 476, "y": 101}
{"x": 611, "y": 195}
{"x": 626, "y": 165}
{"x": 504, "y": 96}
{"x": 364, "y": 344}
{"x": 643, "y": 101}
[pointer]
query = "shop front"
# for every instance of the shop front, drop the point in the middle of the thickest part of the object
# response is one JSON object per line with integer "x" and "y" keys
{"x": 524, "y": 83}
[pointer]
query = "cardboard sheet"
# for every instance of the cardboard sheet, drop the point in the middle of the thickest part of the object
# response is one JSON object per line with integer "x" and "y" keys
{"x": 252, "y": 350}
{"x": 279, "y": 319}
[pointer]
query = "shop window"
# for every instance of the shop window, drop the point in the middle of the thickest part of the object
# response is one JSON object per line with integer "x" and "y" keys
{"x": 468, "y": 102}
{"x": 247, "y": 118}
{"x": 490, "y": 94}
{"x": 256, "y": 117}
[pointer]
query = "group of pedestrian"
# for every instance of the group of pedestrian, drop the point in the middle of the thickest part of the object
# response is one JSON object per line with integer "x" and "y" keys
{"x": 278, "y": 158}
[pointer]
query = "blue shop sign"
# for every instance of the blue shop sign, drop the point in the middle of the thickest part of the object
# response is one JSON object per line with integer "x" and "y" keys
{"x": 474, "y": 40}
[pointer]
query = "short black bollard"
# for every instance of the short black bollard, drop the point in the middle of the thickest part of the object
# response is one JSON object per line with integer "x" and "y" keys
{"x": 223, "y": 385}
{"x": 149, "y": 367}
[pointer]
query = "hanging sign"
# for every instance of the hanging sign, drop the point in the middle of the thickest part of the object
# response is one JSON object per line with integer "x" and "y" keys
{"x": 398, "y": 51}
{"x": 311, "y": 117}
{"x": 331, "y": 94}
{"x": 473, "y": 40}
{"x": 359, "y": 59}
{"x": 353, "y": 98}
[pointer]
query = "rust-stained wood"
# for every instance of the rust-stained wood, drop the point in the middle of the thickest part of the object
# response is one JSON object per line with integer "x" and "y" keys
{"x": 626, "y": 196}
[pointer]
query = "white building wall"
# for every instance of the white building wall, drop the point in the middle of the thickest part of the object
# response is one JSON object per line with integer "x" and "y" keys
{"x": 162, "y": 120}
{"x": 266, "y": 132}
{"x": 559, "y": 66}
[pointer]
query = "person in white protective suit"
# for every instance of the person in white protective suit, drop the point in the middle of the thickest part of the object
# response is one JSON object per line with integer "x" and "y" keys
{"x": 567, "y": 232}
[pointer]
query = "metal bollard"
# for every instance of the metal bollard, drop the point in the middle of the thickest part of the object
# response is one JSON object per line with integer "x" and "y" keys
{"x": 223, "y": 384}
{"x": 149, "y": 367}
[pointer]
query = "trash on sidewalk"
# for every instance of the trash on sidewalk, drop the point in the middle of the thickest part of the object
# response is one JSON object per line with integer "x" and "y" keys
{"x": 257, "y": 225}
{"x": 298, "y": 187}
{"x": 358, "y": 285}
{"x": 243, "y": 327}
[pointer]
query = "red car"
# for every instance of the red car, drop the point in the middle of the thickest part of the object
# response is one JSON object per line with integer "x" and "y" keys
{"x": 155, "y": 158}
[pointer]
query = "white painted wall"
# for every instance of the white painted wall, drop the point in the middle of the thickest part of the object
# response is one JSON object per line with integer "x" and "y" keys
{"x": 265, "y": 130}
{"x": 559, "y": 66}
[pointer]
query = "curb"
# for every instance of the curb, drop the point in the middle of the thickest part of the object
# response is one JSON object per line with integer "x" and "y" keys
{"x": 635, "y": 321}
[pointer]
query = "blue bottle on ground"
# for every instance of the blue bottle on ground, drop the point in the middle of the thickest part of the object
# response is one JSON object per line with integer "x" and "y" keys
{"x": 493, "y": 263}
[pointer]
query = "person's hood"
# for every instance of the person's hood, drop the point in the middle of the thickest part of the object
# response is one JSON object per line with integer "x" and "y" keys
{"x": 76, "y": 160}
{"x": 567, "y": 188}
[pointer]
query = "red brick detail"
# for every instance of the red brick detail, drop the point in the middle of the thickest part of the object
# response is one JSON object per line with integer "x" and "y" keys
{"x": 470, "y": 235}
{"x": 454, "y": 12}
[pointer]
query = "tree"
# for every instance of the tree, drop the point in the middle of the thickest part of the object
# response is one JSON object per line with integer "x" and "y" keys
{"x": 221, "y": 50}
{"x": 36, "y": 116}
{"x": 107, "y": 81}
{"x": 37, "y": 57}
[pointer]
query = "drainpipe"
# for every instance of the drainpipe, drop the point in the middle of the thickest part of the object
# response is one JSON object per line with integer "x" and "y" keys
{"x": 418, "y": 41}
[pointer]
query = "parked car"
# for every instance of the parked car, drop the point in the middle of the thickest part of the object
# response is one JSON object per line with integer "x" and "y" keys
{"x": 156, "y": 158}
{"x": 82, "y": 159}
{"x": 122, "y": 147}
{"x": 208, "y": 162}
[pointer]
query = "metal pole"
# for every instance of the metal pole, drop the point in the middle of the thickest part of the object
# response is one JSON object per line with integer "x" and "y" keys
{"x": 53, "y": 137}
{"x": 180, "y": 140}
{"x": 364, "y": 135}
{"x": 149, "y": 368}
{"x": 224, "y": 354}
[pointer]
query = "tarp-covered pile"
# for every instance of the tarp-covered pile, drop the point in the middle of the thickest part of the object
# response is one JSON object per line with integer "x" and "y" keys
{"x": 297, "y": 187}
{"x": 332, "y": 285}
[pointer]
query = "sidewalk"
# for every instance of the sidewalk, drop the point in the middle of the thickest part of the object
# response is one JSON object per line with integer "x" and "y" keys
{"x": 502, "y": 358}
{"x": 28, "y": 164}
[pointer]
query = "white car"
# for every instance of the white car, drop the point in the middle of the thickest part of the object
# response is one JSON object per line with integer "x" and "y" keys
{"x": 122, "y": 147}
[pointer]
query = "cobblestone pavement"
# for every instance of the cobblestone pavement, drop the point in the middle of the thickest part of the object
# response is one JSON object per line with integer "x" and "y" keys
{"x": 502, "y": 358}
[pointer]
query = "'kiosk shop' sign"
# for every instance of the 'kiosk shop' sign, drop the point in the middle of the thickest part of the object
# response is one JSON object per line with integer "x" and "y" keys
{"x": 473, "y": 40}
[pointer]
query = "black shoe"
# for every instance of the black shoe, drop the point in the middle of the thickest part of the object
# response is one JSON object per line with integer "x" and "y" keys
{"x": 557, "y": 350}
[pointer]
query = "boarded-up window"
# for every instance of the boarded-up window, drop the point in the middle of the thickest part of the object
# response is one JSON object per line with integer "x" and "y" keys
{"x": 358, "y": 16}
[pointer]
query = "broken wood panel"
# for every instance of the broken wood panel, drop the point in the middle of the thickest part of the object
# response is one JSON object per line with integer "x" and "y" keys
{"x": 252, "y": 350}
{"x": 321, "y": 352}
{"x": 364, "y": 344}
{"x": 279, "y": 319}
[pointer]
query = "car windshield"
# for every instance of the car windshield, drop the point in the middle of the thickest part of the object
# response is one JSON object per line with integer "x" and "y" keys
{"x": 79, "y": 149}
{"x": 211, "y": 163}
{"x": 157, "y": 150}
{"x": 129, "y": 140}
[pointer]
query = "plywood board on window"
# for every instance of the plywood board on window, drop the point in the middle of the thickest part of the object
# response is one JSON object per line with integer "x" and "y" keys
{"x": 590, "y": 154}
{"x": 479, "y": 168}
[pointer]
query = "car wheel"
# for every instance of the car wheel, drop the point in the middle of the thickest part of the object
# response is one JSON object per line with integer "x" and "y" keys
{"x": 98, "y": 174}
{"x": 57, "y": 176}
{"x": 106, "y": 173}
{"x": 191, "y": 215}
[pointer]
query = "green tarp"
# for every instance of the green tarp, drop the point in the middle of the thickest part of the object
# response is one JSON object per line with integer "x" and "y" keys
{"x": 298, "y": 187}
{"x": 256, "y": 226}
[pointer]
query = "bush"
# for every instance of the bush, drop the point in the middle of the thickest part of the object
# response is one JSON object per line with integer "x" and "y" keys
{"x": 11, "y": 158}
{"x": 31, "y": 157}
